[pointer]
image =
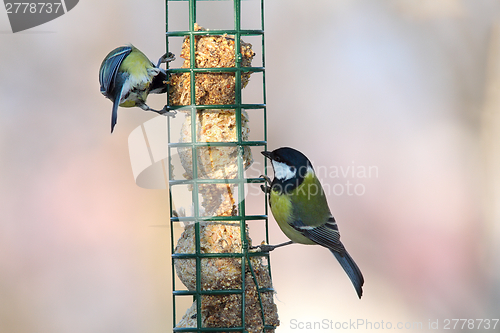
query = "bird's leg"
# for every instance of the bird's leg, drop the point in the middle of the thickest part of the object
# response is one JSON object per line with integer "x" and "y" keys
{"x": 269, "y": 248}
{"x": 266, "y": 188}
{"x": 162, "y": 111}
{"x": 167, "y": 57}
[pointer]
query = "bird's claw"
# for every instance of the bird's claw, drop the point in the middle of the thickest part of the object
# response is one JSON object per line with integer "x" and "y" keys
{"x": 266, "y": 178}
{"x": 167, "y": 57}
{"x": 263, "y": 248}
{"x": 266, "y": 188}
{"x": 167, "y": 113}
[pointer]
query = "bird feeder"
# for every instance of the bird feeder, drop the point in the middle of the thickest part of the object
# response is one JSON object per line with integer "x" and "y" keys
{"x": 214, "y": 160}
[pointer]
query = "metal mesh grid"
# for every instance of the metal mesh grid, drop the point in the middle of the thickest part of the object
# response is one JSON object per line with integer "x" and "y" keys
{"x": 240, "y": 180}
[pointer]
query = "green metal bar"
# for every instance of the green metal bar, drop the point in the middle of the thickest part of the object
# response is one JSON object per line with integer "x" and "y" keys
{"x": 166, "y": 27}
{"x": 172, "y": 241}
{"x": 217, "y": 106}
{"x": 240, "y": 181}
{"x": 209, "y": 292}
{"x": 217, "y": 329}
{"x": 194, "y": 159}
{"x": 218, "y": 144}
{"x": 218, "y": 292}
{"x": 214, "y": 32}
{"x": 259, "y": 290}
{"x": 264, "y": 97}
{"x": 207, "y": 255}
{"x": 205, "y": 0}
{"x": 217, "y": 181}
{"x": 241, "y": 187}
{"x": 219, "y": 219}
{"x": 216, "y": 70}
{"x": 209, "y": 329}
{"x": 217, "y": 255}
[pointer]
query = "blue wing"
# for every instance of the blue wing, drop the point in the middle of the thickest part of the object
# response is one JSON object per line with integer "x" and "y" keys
{"x": 109, "y": 69}
{"x": 114, "y": 112}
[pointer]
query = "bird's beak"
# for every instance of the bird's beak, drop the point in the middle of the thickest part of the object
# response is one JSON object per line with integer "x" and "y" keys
{"x": 266, "y": 154}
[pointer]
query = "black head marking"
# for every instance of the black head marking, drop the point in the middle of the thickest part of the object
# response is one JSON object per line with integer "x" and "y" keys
{"x": 297, "y": 162}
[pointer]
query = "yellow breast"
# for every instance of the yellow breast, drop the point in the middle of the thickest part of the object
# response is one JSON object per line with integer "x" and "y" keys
{"x": 282, "y": 209}
{"x": 140, "y": 69}
{"x": 281, "y": 206}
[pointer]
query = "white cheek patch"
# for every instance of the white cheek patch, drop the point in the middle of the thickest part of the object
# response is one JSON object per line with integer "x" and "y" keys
{"x": 283, "y": 171}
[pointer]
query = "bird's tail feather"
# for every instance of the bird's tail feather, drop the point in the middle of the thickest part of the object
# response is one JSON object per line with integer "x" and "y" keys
{"x": 351, "y": 269}
{"x": 114, "y": 114}
{"x": 116, "y": 102}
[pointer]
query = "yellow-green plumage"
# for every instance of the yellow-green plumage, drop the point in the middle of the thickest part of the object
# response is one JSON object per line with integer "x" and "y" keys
{"x": 141, "y": 71}
{"x": 300, "y": 204}
{"x": 136, "y": 63}
{"x": 300, "y": 208}
{"x": 127, "y": 77}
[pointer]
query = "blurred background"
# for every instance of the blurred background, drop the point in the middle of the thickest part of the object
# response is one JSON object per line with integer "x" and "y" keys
{"x": 409, "y": 87}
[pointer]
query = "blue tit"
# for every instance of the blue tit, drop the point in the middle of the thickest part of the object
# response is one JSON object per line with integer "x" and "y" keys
{"x": 299, "y": 206}
{"x": 127, "y": 77}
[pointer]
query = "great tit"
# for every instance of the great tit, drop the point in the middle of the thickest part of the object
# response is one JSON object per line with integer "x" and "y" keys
{"x": 299, "y": 206}
{"x": 127, "y": 76}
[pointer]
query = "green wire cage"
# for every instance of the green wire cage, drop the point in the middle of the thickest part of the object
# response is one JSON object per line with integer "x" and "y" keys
{"x": 228, "y": 284}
